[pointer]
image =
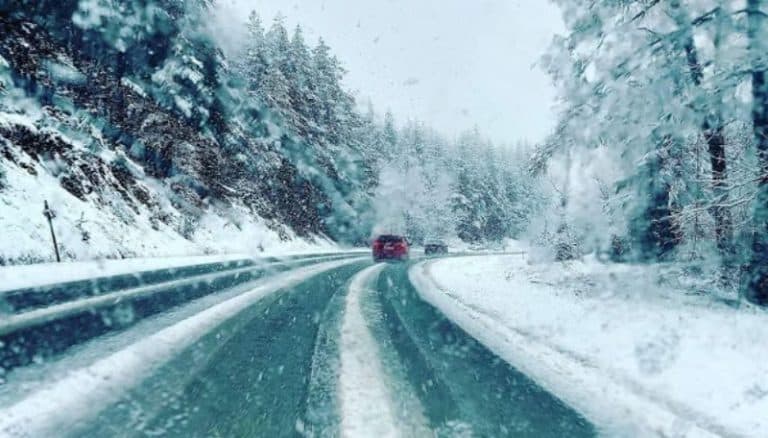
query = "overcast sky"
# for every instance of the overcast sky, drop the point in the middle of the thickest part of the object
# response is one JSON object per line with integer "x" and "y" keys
{"x": 451, "y": 63}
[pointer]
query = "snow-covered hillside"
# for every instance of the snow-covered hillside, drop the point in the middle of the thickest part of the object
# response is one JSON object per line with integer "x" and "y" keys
{"x": 121, "y": 212}
{"x": 149, "y": 144}
{"x": 159, "y": 143}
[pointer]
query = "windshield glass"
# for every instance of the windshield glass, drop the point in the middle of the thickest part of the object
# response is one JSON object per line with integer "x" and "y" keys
{"x": 383, "y": 218}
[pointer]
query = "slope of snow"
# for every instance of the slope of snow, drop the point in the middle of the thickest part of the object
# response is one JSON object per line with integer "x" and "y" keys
{"x": 87, "y": 231}
{"x": 626, "y": 345}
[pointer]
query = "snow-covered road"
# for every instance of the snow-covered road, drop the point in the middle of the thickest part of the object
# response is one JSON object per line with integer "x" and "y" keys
{"x": 322, "y": 346}
{"x": 80, "y": 394}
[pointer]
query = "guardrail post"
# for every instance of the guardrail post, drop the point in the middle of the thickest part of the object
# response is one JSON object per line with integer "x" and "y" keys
{"x": 49, "y": 214}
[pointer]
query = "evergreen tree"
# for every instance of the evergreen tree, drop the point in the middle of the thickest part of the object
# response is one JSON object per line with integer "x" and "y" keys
{"x": 254, "y": 62}
{"x": 275, "y": 91}
{"x": 301, "y": 78}
{"x": 390, "y": 132}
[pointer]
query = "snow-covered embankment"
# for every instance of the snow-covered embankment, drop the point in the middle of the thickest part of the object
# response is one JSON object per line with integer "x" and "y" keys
{"x": 622, "y": 344}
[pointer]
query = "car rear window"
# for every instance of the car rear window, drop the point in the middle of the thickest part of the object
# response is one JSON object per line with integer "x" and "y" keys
{"x": 390, "y": 239}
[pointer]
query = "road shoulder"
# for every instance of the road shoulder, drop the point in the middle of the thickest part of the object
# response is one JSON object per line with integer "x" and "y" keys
{"x": 530, "y": 326}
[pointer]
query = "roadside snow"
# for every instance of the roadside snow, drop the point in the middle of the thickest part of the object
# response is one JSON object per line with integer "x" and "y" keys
{"x": 77, "y": 397}
{"x": 623, "y": 344}
{"x": 29, "y": 276}
{"x": 364, "y": 397}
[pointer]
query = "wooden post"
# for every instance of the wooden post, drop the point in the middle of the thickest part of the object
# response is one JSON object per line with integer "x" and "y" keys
{"x": 49, "y": 214}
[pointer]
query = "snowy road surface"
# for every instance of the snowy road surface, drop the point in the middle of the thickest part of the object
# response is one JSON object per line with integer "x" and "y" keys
{"x": 325, "y": 346}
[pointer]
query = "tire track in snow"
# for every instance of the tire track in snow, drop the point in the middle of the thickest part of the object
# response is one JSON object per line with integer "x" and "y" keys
{"x": 467, "y": 390}
{"x": 365, "y": 401}
{"x": 322, "y": 416}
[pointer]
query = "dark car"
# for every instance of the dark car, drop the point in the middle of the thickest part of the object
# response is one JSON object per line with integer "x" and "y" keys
{"x": 390, "y": 247}
{"x": 435, "y": 248}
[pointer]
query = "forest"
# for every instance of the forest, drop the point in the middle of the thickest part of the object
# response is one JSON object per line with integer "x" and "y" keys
{"x": 659, "y": 154}
{"x": 270, "y": 128}
{"x": 661, "y": 150}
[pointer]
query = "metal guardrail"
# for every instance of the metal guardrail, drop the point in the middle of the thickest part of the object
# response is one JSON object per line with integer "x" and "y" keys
{"x": 33, "y": 333}
{"x": 17, "y": 300}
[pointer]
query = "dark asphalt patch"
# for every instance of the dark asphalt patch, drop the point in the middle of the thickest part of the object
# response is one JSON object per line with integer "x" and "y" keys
{"x": 251, "y": 377}
{"x": 44, "y": 342}
{"x": 461, "y": 383}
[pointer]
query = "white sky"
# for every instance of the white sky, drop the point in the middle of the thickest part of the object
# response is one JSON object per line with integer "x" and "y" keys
{"x": 451, "y": 63}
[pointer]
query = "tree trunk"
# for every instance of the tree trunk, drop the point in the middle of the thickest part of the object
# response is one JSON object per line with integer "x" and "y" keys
{"x": 721, "y": 213}
{"x": 655, "y": 230}
{"x": 712, "y": 129}
{"x": 757, "y": 284}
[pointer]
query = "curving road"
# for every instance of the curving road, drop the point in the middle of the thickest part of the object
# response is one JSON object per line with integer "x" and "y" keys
{"x": 319, "y": 346}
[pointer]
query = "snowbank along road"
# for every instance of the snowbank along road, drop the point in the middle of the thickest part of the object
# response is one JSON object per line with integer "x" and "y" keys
{"x": 318, "y": 346}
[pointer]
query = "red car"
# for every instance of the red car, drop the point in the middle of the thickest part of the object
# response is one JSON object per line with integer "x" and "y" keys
{"x": 390, "y": 247}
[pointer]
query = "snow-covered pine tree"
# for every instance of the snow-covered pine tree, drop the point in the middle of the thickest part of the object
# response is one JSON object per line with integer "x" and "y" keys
{"x": 253, "y": 64}
{"x": 301, "y": 77}
{"x": 335, "y": 105}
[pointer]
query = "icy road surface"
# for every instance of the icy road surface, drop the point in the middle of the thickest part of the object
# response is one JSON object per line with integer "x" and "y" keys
{"x": 324, "y": 346}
